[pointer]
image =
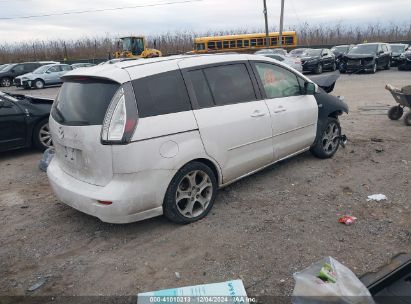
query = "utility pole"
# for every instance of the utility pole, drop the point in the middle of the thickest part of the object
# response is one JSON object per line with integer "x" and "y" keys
{"x": 267, "y": 34}
{"x": 281, "y": 23}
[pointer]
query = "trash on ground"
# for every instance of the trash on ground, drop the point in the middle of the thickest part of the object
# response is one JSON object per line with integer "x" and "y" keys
{"x": 178, "y": 276}
{"x": 46, "y": 159}
{"x": 347, "y": 220}
{"x": 379, "y": 150}
{"x": 377, "y": 197}
{"x": 328, "y": 281}
{"x": 37, "y": 285}
{"x": 228, "y": 292}
{"x": 327, "y": 274}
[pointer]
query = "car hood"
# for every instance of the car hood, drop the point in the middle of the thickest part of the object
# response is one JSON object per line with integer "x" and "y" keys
{"x": 28, "y": 75}
{"x": 396, "y": 54}
{"x": 360, "y": 56}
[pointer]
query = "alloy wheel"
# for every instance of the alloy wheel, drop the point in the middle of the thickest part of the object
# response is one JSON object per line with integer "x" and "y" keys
{"x": 45, "y": 136}
{"x": 194, "y": 194}
{"x": 5, "y": 82}
{"x": 331, "y": 137}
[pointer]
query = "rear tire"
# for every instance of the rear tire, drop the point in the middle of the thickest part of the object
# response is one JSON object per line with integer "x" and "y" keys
{"x": 191, "y": 194}
{"x": 407, "y": 119}
{"x": 328, "y": 139}
{"x": 5, "y": 82}
{"x": 395, "y": 113}
{"x": 42, "y": 136}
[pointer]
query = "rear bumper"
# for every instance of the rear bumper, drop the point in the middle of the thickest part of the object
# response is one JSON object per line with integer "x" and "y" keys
{"x": 135, "y": 196}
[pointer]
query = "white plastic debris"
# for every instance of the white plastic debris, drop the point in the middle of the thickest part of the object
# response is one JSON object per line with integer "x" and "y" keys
{"x": 377, "y": 197}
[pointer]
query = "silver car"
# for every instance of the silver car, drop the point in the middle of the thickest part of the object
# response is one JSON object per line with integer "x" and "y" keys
{"x": 43, "y": 76}
{"x": 293, "y": 62}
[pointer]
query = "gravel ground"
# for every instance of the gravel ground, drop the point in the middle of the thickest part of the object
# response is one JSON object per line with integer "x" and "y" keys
{"x": 261, "y": 230}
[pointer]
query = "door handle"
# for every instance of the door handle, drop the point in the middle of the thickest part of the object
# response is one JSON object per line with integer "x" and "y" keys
{"x": 257, "y": 113}
{"x": 279, "y": 110}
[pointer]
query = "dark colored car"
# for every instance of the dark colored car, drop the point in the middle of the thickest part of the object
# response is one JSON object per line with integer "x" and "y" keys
{"x": 297, "y": 52}
{"x": 339, "y": 51}
{"x": 368, "y": 57}
{"x": 10, "y": 72}
{"x": 24, "y": 122}
{"x": 318, "y": 60}
{"x": 404, "y": 62}
{"x": 397, "y": 49}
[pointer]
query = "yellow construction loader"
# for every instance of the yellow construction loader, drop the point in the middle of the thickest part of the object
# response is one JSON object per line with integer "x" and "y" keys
{"x": 135, "y": 47}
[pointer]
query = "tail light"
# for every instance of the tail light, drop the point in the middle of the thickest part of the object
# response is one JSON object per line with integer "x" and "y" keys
{"x": 121, "y": 117}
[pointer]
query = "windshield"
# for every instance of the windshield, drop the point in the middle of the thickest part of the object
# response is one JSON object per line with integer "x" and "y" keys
{"x": 364, "y": 49}
{"x": 397, "y": 48}
{"x": 8, "y": 67}
{"x": 7, "y": 96}
{"x": 133, "y": 45}
{"x": 312, "y": 52}
{"x": 340, "y": 49}
{"x": 41, "y": 70}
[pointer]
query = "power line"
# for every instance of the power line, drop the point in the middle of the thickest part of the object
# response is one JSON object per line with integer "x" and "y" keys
{"x": 98, "y": 10}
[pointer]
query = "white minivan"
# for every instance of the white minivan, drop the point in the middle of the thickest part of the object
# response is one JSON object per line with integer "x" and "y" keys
{"x": 139, "y": 139}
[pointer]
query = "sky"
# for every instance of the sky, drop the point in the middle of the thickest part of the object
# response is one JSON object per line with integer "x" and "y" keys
{"x": 198, "y": 16}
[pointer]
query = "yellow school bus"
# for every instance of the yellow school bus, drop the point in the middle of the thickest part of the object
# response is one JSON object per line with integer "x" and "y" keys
{"x": 244, "y": 42}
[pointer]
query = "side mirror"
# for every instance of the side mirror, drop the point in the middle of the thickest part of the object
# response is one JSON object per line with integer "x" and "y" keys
{"x": 48, "y": 72}
{"x": 310, "y": 88}
{"x": 323, "y": 55}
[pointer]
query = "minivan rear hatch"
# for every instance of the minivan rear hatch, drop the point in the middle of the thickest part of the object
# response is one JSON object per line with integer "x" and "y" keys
{"x": 76, "y": 120}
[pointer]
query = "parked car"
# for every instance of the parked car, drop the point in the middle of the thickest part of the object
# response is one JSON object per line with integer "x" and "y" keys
{"x": 10, "y": 72}
{"x": 143, "y": 138}
{"x": 339, "y": 51}
{"x": 318, "y": 60}
{"x": 82, "y": 65}
{"x": 293, "y": 62}
{"x": 297, "y": 52}
{"x": 44, "y": 76}
{"x": 404, "y": 62}
{"x": 368, "y": 57}
{"x": 397, "y": 49}
{"x": 24, "y": 122}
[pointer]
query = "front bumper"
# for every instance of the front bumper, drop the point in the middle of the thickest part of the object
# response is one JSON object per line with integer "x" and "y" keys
{"x": 366, "y": 66}
{"x": 17, "y": 82}
{"x": 135, "y": 196}
{"x": 309, "y": 66}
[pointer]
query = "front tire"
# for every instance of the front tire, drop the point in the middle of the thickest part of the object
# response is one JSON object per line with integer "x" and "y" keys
{"x": 191, "y": 194}
{"x": 319, "y": 69}
{"x": 374, "y": 68}
{"x": 39, "y": 84}
{"x": 42, "y": 136}
{"x": 328, "y": 139}
{"x": 395, "y": 113}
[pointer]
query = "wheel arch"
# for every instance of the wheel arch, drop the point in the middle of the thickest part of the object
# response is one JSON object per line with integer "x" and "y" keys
{"x": 211, "y": 164}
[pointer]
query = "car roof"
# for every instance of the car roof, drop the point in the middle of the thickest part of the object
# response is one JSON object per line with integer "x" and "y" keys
{"x": 122, "y": 72}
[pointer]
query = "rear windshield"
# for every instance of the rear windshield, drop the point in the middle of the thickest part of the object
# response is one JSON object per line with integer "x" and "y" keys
{"x": 83, "y": 102}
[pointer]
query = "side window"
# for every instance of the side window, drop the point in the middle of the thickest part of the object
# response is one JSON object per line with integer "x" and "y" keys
{"x": 384, "y": 48}
{"x": 66, "y": 68}
{"x": 161, "y": 94}
{"x": 277, "y": 81}
{"x": 230, "y": 84}
{"x": 19, "y": 68}
{"x": 379, "y": 48}
{"x": 201, "y": 89}
{"x": 53, "y": 69}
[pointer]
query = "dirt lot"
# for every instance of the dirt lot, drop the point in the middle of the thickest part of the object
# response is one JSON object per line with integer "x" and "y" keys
{"x": 261, "y": 230}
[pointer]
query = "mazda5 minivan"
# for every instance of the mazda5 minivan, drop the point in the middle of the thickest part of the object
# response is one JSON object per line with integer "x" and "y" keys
{"x": 139, "y": 139}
